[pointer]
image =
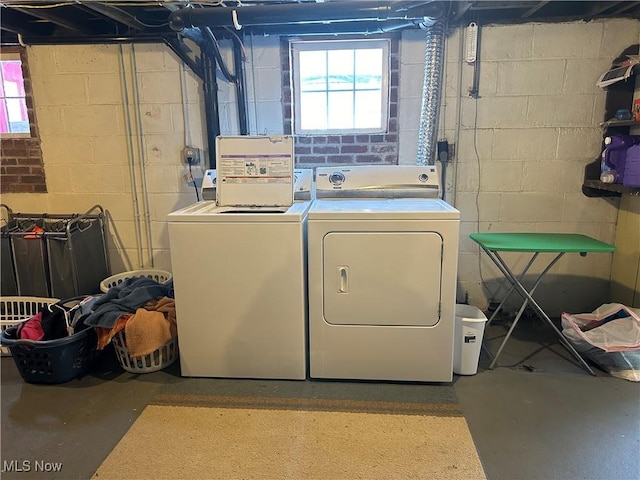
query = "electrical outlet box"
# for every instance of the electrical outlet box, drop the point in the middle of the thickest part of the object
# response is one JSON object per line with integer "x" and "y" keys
{"x": 191, "y": 155}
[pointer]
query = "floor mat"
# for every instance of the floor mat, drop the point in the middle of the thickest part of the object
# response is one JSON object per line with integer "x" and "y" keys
{"x": 297, "y": 430}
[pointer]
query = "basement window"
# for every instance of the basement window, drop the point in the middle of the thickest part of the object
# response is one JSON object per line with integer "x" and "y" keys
{"x": 14, "y": 117}
{"x": 340, "y": 86}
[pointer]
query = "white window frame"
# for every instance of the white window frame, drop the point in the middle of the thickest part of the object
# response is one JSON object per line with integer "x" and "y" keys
{"x": 296, "y": 46}
{"x": 14, "y": 57}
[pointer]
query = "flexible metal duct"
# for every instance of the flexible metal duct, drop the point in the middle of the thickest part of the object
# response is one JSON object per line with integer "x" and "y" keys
{"x": 434, "y": 57}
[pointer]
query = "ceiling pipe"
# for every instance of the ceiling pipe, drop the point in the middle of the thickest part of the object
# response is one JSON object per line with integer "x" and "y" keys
{"x": 338, "y": 28}
{"x": 304, "y": 13}
{"x": 91, "y": 39}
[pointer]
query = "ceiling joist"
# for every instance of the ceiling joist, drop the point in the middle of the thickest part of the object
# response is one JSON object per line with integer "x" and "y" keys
{"x": 60, "y": 21}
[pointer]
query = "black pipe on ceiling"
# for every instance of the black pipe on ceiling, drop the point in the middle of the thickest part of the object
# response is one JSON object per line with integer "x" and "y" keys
{"x": 338, "y": 28}
{"x": 91, "y": 39}
{"x": 305, "y": 13}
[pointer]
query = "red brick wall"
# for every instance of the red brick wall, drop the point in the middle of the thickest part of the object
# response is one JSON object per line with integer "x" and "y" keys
{"x": 22, "y": 169}
{"x": 319, "y": 150}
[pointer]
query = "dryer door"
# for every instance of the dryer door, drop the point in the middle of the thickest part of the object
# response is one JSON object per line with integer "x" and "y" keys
{"x": 382, "y": 278}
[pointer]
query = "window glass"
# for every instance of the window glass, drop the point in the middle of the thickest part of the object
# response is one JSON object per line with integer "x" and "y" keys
{"x": 367, "y": 109}
{"x": 314, "y": 113}
{"x": 14, "y": 118}
{"x": 340, "y": 86}
{"x": 313, "y": 71}
{"x": 340, "y": 110}
{"x": 340, "y": 69}
{"x": 368, "y": 64}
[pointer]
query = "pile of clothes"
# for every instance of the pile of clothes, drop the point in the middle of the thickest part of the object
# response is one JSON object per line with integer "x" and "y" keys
{"x": 56, "y": 321}
{"x": 143, "y": 308}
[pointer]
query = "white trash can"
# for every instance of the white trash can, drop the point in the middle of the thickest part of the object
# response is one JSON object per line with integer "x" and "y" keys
{"x": 469, "y": 329}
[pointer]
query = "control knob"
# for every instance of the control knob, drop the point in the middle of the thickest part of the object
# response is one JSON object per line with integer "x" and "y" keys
{"x": 336, "y": 178}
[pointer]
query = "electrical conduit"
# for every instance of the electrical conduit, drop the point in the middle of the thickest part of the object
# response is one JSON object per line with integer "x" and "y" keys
{"x": 132, "y": 173}
{"x": 141, "y": 154}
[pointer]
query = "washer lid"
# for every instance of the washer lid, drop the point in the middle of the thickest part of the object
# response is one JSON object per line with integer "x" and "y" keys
{"x": 254, "y": 170}
{"x": 386, "y": 209}
{"x": 210, "y": 212}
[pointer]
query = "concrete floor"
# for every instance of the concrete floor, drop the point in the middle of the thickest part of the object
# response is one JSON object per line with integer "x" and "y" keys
{"x": 538, "y": 415}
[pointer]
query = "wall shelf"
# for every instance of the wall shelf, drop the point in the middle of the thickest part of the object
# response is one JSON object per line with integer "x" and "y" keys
{"x": 619, "y": 96}
{"x": 612, "y": 189}
{"x": 619, "y": 123}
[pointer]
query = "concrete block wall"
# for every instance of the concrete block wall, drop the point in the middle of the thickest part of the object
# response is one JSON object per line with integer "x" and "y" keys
{"x": 80, "y": 106}
{"x": 522, "y": 147}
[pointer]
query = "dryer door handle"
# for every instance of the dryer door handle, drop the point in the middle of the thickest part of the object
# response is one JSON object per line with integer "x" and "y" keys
{"x": 343, "y": 272}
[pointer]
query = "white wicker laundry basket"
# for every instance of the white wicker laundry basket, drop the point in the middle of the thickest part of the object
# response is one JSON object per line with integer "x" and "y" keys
{"x": 160, "y": 276}
{"x": 14, "y": 310}
{"x": 156, "y": 360}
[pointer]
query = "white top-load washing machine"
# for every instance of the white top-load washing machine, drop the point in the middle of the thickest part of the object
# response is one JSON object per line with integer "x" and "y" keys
{"x": 383, "y": 253}
{"x": 239, "y": 275}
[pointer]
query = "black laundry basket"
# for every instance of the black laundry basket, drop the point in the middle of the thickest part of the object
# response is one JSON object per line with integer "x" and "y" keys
{"x": 52, "y": 361}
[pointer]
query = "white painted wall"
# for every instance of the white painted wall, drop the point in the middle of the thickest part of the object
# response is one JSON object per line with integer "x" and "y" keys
{"x": 80, "y": 111}
{"x": 535, "y": 129}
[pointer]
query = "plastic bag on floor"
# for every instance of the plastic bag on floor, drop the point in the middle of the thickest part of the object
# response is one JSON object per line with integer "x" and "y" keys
{"x": 610, "y": 336}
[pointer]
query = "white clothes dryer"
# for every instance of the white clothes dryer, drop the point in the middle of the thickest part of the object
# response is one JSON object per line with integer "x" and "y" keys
{"x": 382, "y": 275}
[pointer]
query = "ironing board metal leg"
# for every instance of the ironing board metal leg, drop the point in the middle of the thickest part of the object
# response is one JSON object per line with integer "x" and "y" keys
{"x": 503, "y": 267}
{"x": 530, "y": 300}
{"x": 512, "y": 288}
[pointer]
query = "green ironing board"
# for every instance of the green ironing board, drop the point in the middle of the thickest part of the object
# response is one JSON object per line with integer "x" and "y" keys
{"x": 536, "y": 243}
{"x": 541, "y": 242}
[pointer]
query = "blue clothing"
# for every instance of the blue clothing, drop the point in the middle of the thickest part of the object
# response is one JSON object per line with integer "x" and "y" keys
{"x": 127, "y": 297}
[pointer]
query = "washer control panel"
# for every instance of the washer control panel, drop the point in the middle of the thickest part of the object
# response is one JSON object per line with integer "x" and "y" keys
{"x": 302, "y": 184}
{"x": 378, "y": 181}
